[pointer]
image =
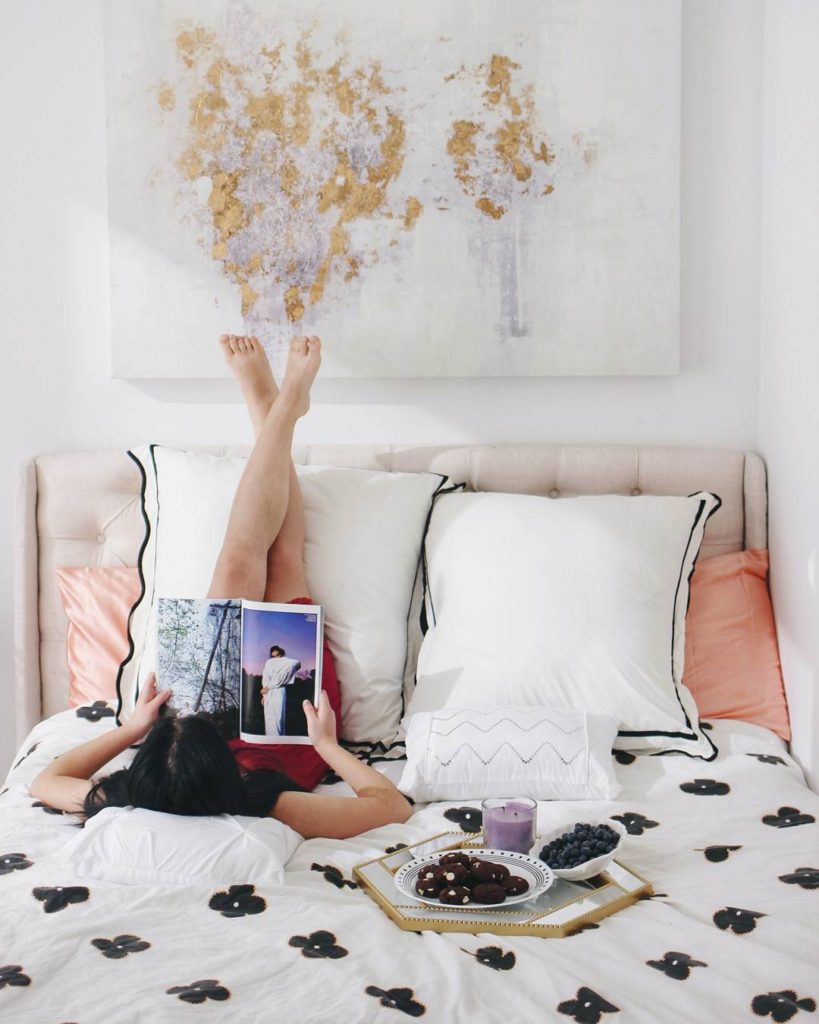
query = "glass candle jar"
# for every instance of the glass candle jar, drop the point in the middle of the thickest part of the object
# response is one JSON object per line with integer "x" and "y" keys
{"x": 509, "y": 823}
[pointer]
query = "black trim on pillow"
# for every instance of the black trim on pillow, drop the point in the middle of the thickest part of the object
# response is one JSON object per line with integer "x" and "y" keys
{"x": 697, "y": 734}
{"x": 424, "y": 622}
{"x": 136, "y": 604}
{"x": 432, "y": 497}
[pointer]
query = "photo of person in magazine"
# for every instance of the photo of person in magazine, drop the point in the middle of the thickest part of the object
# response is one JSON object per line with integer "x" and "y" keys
{"x": 246, "y": 665}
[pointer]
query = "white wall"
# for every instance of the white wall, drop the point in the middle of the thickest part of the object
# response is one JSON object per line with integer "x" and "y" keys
{"x": 789, "y": 356}
{"x": 56, "y": 393}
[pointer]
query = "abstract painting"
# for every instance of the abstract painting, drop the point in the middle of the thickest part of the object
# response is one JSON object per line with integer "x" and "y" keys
{"x": 446, "y": 188}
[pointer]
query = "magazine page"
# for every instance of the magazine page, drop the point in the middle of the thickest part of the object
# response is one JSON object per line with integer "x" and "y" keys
{"x": 281, "y": 667}
{"x": 199, "y": 658}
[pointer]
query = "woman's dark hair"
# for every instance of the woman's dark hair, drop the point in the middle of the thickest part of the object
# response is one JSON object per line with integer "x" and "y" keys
{"x": 276, "y": 647}
{"x": 183, "y": 766}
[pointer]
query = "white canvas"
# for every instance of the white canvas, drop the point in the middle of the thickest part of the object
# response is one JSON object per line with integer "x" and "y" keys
{"x": 439, "y": 189}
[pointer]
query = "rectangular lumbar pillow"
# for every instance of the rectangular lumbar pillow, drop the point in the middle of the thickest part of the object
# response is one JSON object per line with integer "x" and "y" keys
{"x": 133, "y": 845}
{"x": 573, "y": 603}
{"x": 364, "y": 533}
{"x": 543, "y": 753}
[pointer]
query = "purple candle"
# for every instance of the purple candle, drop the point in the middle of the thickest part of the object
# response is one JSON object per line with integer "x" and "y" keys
{"x": 509, "y": 823}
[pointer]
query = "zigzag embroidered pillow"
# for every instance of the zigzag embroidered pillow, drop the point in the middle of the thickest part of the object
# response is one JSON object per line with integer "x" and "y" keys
{"x": 540, "y": 752}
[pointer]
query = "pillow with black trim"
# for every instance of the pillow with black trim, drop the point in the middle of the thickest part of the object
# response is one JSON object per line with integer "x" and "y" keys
{"x": 571, "y": 602}
{"x": 364, "y": 534}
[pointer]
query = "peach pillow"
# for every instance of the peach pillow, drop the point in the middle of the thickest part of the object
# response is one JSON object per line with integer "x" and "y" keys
{"x": 97, "y": 603}
{"x": 731, "y": 654}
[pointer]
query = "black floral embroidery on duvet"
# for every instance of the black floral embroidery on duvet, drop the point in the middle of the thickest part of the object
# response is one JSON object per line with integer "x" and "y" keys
{"x": 676, "y": 965}
{"x": 781, "y": 1006}
{"x": 469, "y": 819}
{"x": 120, "y": 946}
{"x": 717, "y": 854}
{"x": 12, "y": 974}
{"x": 46, "y": 808}
{"x": 494, "y": 957}
{"x": 587, "y": 927}
{"x": 237, "y": 901}
{"x": 398, "y": 999}
{"x": 708, "y": 726}
{"x": 705, "y": 787}
{"x": 624, "y": 757}
{"x": 788, "y": 817}
{"x": 13, "y": 862}
{"x": 739, "y": 921}
{"x": 768, "y": 758}
{"x": 319, "y": 945}
{"x": 587, "y": 1007}
{"x": 99, "y": 709}
{"x": 331, "y": 778}
{"x": 635, "y": 824}
{"x": 199, "y": 991}
{"x": 805, "y": 878}
{"x": 59, "y": 897}
{"x": 30, "y": 750}
{"x": 334, "y": 876}
{"x": 396, "y": 848}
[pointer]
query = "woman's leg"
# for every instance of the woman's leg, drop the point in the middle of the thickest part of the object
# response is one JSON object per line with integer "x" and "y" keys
{"x": 285, "y": 558}
{"x": 262, "y": 498}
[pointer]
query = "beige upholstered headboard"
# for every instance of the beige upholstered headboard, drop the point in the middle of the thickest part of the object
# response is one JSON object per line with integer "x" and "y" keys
{"x": 83, "y": 508}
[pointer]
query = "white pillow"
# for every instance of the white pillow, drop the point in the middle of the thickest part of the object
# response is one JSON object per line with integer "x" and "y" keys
{"x": 543, "y": 753}
{"x": 573, "y": 603}
{"x": 364, "y": 534}
{"x": 140, "y": 847}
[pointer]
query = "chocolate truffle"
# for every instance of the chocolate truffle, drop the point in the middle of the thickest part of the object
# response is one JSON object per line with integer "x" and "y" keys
{"x": 489, "y": 892}
{"x": 455, "y": 858}
{"x": 454, "y": 874}
{"x": 458, "y": 894}
{"x": 431, "y": 873}
{"x": 501, "y": 872}
{"x": 430, "y": 890}
{"x": 515, "y": 885}
{"x": 485, "y": 871}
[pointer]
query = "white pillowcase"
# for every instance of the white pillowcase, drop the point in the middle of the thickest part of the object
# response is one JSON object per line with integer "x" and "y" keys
{"x": 543, "y": 753}
{"x": 364, "y": 535}
{"x": 572, "y": 603}
{"x": 136, "y": 846}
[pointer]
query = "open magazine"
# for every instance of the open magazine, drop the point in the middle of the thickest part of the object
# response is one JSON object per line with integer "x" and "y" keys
{"x": 246, "y": 664}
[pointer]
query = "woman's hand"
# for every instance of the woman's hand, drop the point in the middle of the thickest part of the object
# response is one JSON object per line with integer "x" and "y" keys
{"x": 148, "y": 706}
{"x": 321, "y": 724}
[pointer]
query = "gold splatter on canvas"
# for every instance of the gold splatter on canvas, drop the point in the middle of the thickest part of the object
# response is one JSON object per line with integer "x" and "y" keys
{"x": 291, "y": 163}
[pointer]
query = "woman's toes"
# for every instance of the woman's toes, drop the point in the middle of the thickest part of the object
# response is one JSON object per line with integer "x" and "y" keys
{"x": 298, "y": 344}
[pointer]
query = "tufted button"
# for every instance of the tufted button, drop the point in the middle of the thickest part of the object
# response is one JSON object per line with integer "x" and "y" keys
{"x": 554, "y": 493}
{"x": 101, "y": 538}
{"x": 635, "y": 491}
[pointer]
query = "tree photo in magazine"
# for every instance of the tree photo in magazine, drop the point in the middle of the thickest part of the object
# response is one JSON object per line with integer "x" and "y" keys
{"x": 247, "y": 665}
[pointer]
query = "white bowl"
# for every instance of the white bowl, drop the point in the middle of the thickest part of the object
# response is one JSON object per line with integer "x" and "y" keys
{"x": 588, "y": 867}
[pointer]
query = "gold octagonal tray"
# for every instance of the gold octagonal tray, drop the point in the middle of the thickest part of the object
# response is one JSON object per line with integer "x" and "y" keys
{"x": 563, "y": 909}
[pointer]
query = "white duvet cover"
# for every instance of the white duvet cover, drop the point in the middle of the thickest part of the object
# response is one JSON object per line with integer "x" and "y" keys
{"x": 731, "y": 934}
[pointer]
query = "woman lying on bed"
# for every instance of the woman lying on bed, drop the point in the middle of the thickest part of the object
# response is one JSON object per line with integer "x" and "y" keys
{"x": 183, "y": 765}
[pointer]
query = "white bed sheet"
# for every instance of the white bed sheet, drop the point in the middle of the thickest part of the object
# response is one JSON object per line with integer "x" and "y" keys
{"x": 317, "y": 949}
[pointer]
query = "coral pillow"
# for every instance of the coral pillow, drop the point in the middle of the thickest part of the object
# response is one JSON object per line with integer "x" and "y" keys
{"x": 97, "y": 602}
{"x": 731, "y": 654}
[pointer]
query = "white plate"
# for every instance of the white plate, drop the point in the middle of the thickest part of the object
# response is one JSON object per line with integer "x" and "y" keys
{"x": 590, "y": 867}
{"x": 539, "y": 876}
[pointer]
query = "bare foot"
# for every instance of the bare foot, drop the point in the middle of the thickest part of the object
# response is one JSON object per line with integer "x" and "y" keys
{"x": 248, "y": 364}
{"x": 303, "y": 361}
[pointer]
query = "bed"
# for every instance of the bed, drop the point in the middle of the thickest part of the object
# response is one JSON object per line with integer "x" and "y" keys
{"x": 731, "y": 847}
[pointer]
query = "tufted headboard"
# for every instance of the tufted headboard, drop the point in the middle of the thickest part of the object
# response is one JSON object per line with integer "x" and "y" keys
{"x": 83, "y": 508}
